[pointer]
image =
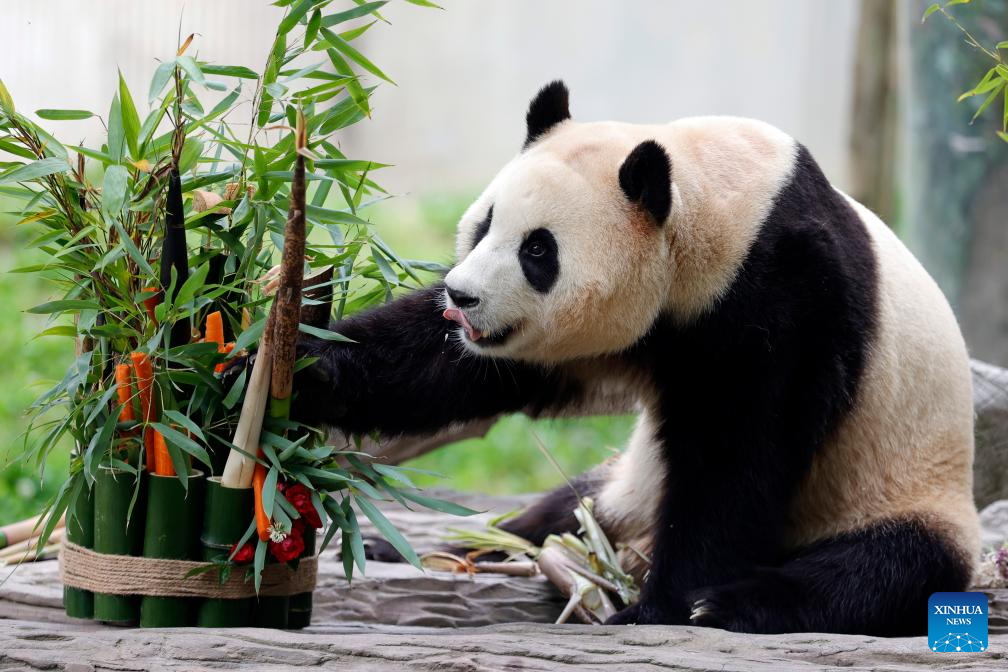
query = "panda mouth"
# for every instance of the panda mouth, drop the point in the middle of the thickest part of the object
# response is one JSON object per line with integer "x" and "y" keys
{"x": 477, "y": 336}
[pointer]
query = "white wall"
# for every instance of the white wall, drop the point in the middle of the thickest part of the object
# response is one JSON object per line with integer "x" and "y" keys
{"x": 465, "y": 74}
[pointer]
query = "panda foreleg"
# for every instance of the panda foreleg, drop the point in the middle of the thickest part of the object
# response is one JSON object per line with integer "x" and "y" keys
{"x": 407, "y": 373}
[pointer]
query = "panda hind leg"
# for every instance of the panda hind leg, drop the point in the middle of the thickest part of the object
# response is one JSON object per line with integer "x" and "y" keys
{"x": 875, "y": 581}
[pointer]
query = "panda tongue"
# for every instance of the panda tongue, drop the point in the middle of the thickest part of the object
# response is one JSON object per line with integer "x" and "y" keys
{"x": 456, "y": 315}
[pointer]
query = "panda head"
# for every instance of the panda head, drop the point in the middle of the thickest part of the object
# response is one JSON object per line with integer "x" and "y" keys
{"x": 564, "y": 255}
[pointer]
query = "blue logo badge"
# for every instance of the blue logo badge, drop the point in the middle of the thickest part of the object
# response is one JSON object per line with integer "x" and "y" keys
{"x": 957, "y": 622}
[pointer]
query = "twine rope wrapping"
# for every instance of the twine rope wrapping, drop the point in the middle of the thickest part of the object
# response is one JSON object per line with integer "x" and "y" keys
{"x": 132, "y": 575}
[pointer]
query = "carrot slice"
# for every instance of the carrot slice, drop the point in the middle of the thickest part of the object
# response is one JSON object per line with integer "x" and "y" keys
{"x": 215, "y": 330}
{"x": 152, "y": 301}
{"x": 162, "y": 459}
{"x": 261, "y": 519}
{"x": 124, "y": 390}
{"x": 145, "y": 385}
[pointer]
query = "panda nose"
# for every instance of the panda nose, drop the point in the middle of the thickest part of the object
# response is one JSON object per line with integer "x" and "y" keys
{"x": 461, "y": 299}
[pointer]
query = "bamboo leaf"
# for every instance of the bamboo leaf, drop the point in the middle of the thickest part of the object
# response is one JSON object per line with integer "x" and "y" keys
{"x": 35, "y": 170}
{"x": 295, "y": 15}
{"x": 6, "y": 102}
{"x": 192, "y": 285}
{"x": 161, "y": 76}
{"x": 238, "y": 71}
{"x": 192, "y": 69}
{"x": 114, "y": 187}
{"x": 116, "y": 133}
{"x": 173, "y": 436}
{"x": 929, "y": 11}
{"x": 325, "y": 334}
{"x": 63, "y": 306}
{"x": 269, "y": 490}
{"x": 311, "y": 32}
{"x": 356, "y": 12}
{"x": 132, "y": 251}
{"x": 387, "y": 530}
{"x": 234, "y": 394}
{"x": 350, "y": 52}
{"x": 63, "y": 115}
{"x": 130, "y": 118}
{"x": 436, "y": 504}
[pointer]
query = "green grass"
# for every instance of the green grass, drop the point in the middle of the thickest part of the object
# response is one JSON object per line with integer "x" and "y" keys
{"x": 507, "y": 460}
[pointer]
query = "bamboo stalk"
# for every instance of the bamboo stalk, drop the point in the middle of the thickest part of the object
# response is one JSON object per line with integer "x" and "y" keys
{"x": 287, "y": 303}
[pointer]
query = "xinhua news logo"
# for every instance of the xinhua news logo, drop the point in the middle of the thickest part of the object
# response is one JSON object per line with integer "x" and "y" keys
{"x": 957, "y": 622}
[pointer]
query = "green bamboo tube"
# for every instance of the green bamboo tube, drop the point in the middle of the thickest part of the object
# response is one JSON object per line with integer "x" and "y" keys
{"x": 80, "y": 530}
{"x": 226, "y": 516}
{"x": 113, "y": 491}
{"x": 271, "y": 612}
{"x": 174, "y": 520}
{"x": 300, "y": 612}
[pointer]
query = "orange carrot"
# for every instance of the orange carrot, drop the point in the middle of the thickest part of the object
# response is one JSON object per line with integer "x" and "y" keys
{"x": 261, "y": 519}
{"x": 162, "y": 460}
{"x": 124, "y": 390}
{"x": 215, "y": 330}
{"x": 228, "y": 349}
{"x": 145, "y": 385}
{"x": 152, "y": 301}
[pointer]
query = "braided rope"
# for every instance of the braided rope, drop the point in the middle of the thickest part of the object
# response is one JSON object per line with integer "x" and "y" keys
{"x": 130, "y": 575}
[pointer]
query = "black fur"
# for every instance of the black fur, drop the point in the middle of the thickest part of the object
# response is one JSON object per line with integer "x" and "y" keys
{"x": 482, "y": 229}
{"x": 750, "y": 391}
{"x": 874, "y": 581}
{"x": 646, "y": 179}
{"x": 539, "y": 257}
{"x": 549, "y": 107}
{"x": 407, "y": 373}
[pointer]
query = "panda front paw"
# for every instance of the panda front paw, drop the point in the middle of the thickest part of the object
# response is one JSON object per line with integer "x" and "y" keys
{"x": 754, "y": 606}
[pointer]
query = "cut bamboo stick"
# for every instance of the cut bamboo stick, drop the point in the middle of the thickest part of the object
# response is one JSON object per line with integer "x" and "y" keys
{"x": 27, "y": 547}
{"x": 240, "y": 463}
{"x": 21, "y": 530}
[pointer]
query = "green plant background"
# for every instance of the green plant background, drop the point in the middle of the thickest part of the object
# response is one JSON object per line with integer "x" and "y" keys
{"x": 507, "y": 460}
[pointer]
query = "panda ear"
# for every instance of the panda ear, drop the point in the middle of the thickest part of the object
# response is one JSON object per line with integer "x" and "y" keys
{"x": 549, "y": 107}
{"x": 646, "y": 179}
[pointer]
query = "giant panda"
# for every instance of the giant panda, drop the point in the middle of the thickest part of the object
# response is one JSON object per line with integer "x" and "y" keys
{"x": 803, "y": 455}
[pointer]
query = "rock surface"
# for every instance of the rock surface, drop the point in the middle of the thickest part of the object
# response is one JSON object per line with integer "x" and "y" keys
{"x": 400, "y": 618}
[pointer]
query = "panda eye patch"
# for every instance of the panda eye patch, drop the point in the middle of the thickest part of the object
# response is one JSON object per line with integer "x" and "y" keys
{"x": 539, "y": 259}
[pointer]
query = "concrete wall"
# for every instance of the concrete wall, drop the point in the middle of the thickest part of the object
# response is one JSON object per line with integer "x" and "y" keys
{"x": 465, "y": 74}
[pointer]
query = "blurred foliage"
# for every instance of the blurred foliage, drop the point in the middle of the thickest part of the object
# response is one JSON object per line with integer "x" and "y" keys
{"x": 952, "y": 148}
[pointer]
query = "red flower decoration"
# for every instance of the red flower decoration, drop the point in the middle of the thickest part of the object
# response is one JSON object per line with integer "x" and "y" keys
{"x": 300, "y": 497}
{"x": 244, "y": 555}
{"x": 290, "y": 548}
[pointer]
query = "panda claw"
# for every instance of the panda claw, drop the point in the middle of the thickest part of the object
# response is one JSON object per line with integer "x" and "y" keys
{"x": 699, "y": 610}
